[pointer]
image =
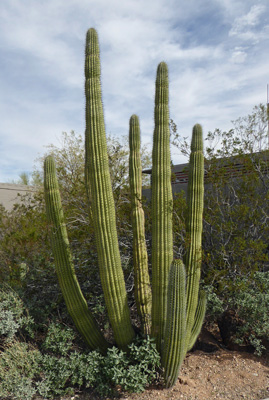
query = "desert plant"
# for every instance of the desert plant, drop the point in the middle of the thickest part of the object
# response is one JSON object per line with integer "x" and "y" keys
{"x": 132, "y": 370}
{"x": 75, "y": 301}
{"x": 140, "y": 256}
{"x": 19, "y": 366}
{"x": 185, "y": 304}
{"x": 59, "y": 339}
{"x": 25, "y": 372}
{"x": 98, "y": 182}
{"x": 249, "y": 306}
{"x": 189, "y": 311}
{"x": 14, "y": 317}
{"x": 236, "y": 229}
{"x": 162, "y": 205}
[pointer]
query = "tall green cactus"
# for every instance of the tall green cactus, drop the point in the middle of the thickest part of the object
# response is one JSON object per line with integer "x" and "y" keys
{"x": 194, "y": 226}
{"x": 75, "y": 302}
{"x": 198, "y": 319}
{"x": 185, "y": 306}
{"x": 140, "y": 255}
{"x": 162, "y": 205}
{"x": 98, "y": 179}
{"x": 175, "y": 328}
{"x": 178, "y": 307}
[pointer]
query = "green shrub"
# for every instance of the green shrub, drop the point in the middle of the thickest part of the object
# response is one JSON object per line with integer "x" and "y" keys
{"x": 19, "y": 366}
{"x": 132, "y": 371}
{"x": 249, "y": 306}
{"x": 57, "y": 372}
{"x": 252, "y": 307}
{"x": 62, "y": 375}
{"x": 215, "y": 305}
{"x": 40, "y": 292}
{"x": 13, "y": 315}
{"x": 59, "y": 339}
{"x": 25, "y": 372}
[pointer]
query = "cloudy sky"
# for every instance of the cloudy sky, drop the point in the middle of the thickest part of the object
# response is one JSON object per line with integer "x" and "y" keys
{"x": 216, "y": 50}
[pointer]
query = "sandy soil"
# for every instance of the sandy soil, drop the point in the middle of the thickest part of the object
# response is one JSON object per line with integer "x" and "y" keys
{"x": 222, "y": 375}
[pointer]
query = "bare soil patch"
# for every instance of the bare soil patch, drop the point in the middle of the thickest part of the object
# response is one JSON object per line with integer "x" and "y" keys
{"x": 222, "y": 375}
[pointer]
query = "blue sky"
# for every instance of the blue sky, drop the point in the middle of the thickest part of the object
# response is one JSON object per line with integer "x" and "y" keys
{"x": 216, "y": 50}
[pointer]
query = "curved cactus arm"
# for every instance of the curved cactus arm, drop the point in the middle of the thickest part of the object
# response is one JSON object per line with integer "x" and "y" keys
{"x": 104, "y": 219}
{"x": 194, "y": 226}
{"x": 162, "y": 205}
{"x": 140, "y": 255}
{"x": 198, "y": 319}
{"x": 74, "y": 299}
{"x": 174, "y": 337}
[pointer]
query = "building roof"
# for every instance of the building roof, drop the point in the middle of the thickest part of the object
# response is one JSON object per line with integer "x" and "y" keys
{"x": 10, "y": 194}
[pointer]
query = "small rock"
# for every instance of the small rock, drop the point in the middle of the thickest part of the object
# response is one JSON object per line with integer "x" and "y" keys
{"x": 187, "y": 382}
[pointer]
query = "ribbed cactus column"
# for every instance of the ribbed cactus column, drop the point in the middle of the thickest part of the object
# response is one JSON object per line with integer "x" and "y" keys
{"x": 140, "y": 255}
{"x": 194, "y": 226}
{"x": 175, "y": 327}
{"x": 162, "y": 206}
{"x": 184, "y": 308}
{"x": 75, "y": 302}
{"x": 98, "y": 178}
{"x": 198, "y": 319}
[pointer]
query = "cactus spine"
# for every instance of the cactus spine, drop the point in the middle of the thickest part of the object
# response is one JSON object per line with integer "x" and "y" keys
{"x": 140, "y": 255}
{"x": 75, "y": 302}
{"x": 162, "y": 205}
{"x": 104, "y": 220}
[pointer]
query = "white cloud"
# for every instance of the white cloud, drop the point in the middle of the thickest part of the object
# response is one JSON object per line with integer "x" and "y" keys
{"x": 239, "y": 56}
{"x": 42, "y": 64}
{"x": 244, "y": 26}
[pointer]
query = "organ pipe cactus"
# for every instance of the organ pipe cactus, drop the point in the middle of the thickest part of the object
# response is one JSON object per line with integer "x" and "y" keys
{"x": 175, "y": 328}
{"x": 198, "y": 320}
{"x": 104, "y": 219}
{"x": 74, "y": 299}
{"x": 140, "y": 255}
{"x": 178, "y": 307}
{"x": 194, "y": 226}
{"x": 162, "y": 205}
{"x": 185, "y": 307}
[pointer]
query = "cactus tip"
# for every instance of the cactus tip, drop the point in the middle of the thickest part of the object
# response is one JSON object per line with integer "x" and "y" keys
{"x": 92, "y": 42}
{"x": 162, "y": 66}
{"x": 91, "y": 32}
{"x": 162, "y": 74}
{"x": 134, "y": 119}
{"x": 197, "y": 138}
